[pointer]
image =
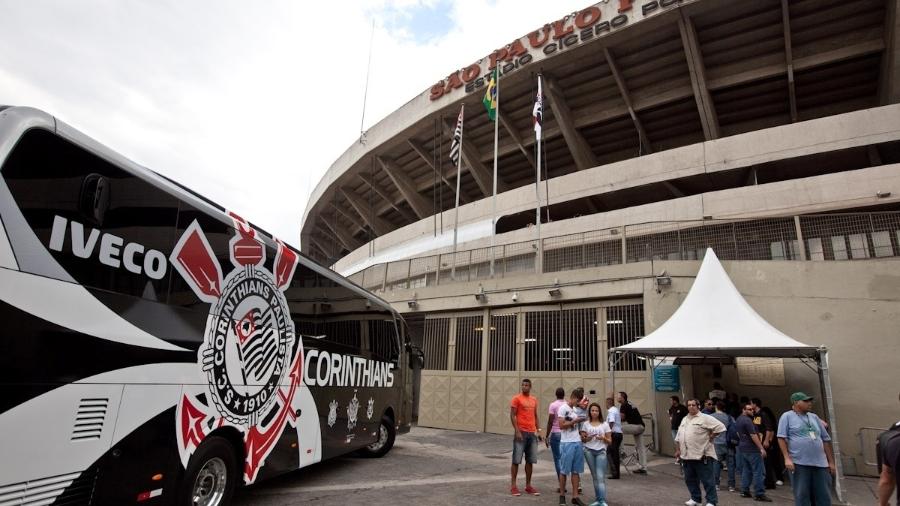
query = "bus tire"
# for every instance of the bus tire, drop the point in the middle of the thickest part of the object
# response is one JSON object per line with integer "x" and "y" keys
{"x": 385, "y": 441}
{"x": 211, "y": 475}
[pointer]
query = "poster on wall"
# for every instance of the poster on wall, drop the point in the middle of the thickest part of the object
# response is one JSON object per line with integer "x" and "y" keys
{"x": 667, "y": 378}
{"x": 760, "y": 371}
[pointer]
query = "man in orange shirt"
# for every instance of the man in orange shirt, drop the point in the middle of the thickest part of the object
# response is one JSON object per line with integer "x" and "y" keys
{"x": 524, "y": 418}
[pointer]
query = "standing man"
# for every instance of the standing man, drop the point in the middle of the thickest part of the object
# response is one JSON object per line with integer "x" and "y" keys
{"x": 677, "y": 412}
{"x": 807, "y": 451}
{"x": 523, "y": 416}
{"x": 764, "y": 420}
{"x": 694, "y": 446}
{"x": 751, "y": 453}
{"x": 634, "y": 425}
{"x": 724, "y": 454}
{"x": 888, "y": 448}
{"x": 553, "y": 435}
{"x": 571, "y": 455}
{"x": 717, "y": 392}
{"x": 614, "y": 419}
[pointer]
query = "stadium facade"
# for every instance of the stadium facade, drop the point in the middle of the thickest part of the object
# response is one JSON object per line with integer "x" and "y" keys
{"x": 768, "y": 130}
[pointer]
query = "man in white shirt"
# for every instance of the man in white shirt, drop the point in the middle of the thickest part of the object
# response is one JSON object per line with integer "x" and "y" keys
{"x": 614, "y": 419}
{"x": 571, "y": 459}
{"x": 694, "y": 446}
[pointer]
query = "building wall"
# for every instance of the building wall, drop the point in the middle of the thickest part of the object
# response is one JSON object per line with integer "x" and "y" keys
{"x": 798, "y": 196}
{"x": 852, "y": 307}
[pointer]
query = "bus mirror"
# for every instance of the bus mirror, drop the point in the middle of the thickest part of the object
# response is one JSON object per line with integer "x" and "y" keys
{"x": 94, "y": 198}
{"x": 416, "y": 358}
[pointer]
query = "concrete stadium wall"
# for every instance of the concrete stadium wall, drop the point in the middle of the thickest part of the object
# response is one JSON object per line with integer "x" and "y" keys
{"x": 813, "y": 194}
{"x": 852, "y": 307}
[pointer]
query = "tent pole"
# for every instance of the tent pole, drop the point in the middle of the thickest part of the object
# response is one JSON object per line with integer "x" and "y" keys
{"x": 612, "y": 374}
{"x": 825, "y": 379}
{"x": 652, "y": 399}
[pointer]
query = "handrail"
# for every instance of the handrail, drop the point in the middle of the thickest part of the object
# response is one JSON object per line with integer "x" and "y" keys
{"x": 836, "y": 236}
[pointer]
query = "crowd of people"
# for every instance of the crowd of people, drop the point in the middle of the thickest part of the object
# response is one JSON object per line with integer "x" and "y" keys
{"x": 577, "y": 433}
{"x": 722, "y": 434}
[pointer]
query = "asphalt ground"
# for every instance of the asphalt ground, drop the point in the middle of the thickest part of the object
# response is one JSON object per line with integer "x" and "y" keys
{"x": 431, "y": 466}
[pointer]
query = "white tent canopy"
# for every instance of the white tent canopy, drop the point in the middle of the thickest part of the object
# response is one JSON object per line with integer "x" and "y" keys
{"x": 715, "y": 321}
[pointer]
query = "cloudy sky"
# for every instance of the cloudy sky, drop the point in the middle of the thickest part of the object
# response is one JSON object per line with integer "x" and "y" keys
{"x": 248, "y": 103}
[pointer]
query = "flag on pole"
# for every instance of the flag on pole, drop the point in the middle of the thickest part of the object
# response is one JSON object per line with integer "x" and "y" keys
{"x": 538, "y": 112}
{"x": 457, "y": 139}
{"x": 490, "y": 96}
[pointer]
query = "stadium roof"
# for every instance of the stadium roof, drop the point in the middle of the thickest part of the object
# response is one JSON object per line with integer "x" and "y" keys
{"x": 666, "y": 77}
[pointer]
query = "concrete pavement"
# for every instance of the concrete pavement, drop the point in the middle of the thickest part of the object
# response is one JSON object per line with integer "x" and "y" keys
{"x": 430, "y": 466}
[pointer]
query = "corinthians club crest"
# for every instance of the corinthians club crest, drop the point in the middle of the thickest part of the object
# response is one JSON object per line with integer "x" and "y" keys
{"x": 250, "y": 355}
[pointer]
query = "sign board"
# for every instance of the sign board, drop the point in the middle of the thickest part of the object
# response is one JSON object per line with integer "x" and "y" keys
{"x": 571, "y": 31}
{"x": 667, "y": 378}
{"x": 760, "y": 371}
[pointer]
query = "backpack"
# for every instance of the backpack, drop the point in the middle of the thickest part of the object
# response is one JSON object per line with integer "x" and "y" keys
{"x": 732, "y": 438}
{"x": 881, "y": 443}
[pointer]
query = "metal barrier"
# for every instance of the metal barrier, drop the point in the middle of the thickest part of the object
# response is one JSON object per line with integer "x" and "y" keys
{"x": 849, "y": 236}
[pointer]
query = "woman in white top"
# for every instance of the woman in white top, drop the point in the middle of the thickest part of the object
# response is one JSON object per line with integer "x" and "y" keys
{"x": 596, "y": 435}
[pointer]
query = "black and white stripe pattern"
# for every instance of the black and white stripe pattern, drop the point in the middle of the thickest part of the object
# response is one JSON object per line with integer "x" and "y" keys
{"x": 457, "y": 139}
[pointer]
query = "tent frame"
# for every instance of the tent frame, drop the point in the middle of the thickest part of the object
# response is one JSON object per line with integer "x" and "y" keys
{"x": 819, "y": 355}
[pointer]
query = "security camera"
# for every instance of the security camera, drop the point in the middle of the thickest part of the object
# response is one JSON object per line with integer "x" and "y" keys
{"x": 515, "y": 296}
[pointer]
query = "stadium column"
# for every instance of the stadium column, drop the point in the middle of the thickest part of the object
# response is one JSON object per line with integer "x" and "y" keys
{"x": 383, "y": 193}
{"x": 578, "y": 146}
{"x": 481, "y": 174}
{"x": 623, "y": 90}
{"x": 705, "y": 105}
{"x": 465, "y": 199}
{"x": 346, "y": 239}
{"x": 379, "y": 225}
{"x": 407, "y": 187}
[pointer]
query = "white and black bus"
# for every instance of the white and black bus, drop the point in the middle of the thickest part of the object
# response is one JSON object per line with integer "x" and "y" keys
{"x": 157, "y": 349}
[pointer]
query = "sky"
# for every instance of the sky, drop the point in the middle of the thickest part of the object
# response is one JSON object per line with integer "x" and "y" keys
{"x": 247, "y": 103}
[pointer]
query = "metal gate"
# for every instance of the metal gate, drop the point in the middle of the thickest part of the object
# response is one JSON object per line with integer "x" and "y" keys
{"x": 468, "y": 381}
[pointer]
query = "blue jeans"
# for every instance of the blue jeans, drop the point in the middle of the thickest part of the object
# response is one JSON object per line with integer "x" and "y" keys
{"x": 697, "y": 472}
{"x": 752, "y": 470}
{"x": 811, "y": 484}
{"x": 726, "y": 455}
{"x": 554, "y": 447}
{"x": 596, "y": 461}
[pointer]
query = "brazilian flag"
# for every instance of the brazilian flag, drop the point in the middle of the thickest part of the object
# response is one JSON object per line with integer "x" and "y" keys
{"x": 490, "y": 96}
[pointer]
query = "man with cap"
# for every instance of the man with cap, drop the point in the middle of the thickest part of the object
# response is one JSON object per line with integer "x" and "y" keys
{"x": 807, "y": 451}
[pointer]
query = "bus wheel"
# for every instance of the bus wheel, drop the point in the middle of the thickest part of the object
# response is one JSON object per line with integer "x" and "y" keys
{"x": 210, "y": 476}
{"x": 385, "y": 441}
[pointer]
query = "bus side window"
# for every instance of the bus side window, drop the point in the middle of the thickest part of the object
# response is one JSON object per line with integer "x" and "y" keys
{"x": 108, "y": 228}
{"x": 383, "y": 339}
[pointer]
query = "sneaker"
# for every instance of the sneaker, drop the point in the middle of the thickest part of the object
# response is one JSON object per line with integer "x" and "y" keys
{"x": 732, "y": 489}
{"x": 691, "y": 502}
{"x": 596, "y": 503}
{"x": 578, "y": 502}
{"x": 531, "y": 490}
{"x": 779, "y": 483}
{"x": 641, "y": 471}
{"x": 562, "y": 500}
{"x": 745, "y": 493}
{"x": 762, "y": 498}
{"x": 515, "y": 491}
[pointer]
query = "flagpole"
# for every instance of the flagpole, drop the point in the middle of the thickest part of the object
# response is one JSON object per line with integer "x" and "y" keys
{"x": 494, "y": 198}
{"x": 458, "y": 172}
{"x": 537, "y": 181}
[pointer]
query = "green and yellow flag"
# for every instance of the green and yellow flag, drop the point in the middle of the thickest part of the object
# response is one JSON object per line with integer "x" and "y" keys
{"x": 490, "y": 96}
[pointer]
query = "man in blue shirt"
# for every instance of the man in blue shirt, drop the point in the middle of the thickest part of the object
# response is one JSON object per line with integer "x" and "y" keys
{"x": 751, "y": 453}
{"x": 807, "y": 451}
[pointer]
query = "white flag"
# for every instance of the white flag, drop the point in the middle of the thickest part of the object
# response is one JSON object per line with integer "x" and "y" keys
{"x": 538, "y": 112}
